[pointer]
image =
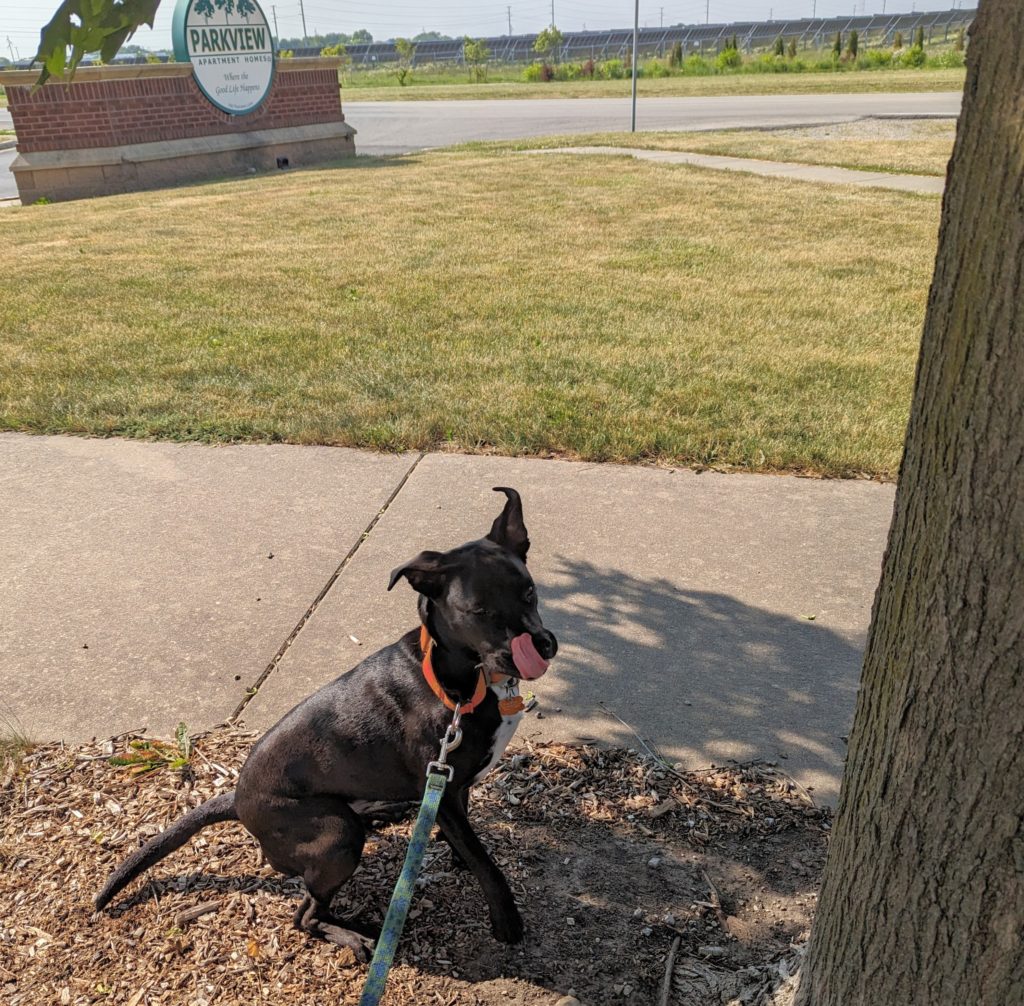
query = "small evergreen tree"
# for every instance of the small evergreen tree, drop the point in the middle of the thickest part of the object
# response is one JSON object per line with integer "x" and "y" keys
{"x": 851, "y": 47}
{"x": 837, "y": 45}
{"x": 897, "y": 41}
{"x": 675, "y": 59}
{"x": 919, "y": 38}
{"x": 959, "y": 43}
{"x": 791, "y": 51}
{"x": 780, "y": 47}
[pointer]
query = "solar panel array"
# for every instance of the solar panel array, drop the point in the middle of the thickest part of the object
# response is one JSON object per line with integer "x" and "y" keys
{"x": 872, "y": 29}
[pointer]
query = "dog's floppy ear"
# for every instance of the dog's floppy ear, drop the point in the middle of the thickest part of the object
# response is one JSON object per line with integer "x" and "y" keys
{"x": 426, "y": 574}
{"x": 508, "y": 529}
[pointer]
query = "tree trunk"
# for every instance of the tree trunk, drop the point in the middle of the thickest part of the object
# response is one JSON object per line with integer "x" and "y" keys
{"x": 923, "y": 895}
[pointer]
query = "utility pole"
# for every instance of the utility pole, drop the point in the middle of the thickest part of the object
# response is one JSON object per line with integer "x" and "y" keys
{"x": 661, "y": 17}
{"x": 509, "y": 9}
{"x": 273, "y": 11}
{"x": 10, "y": 46}
{"x": 707, "y": 12}
{"x": 636, "y": 32}
{"x": 302, "y": 11}
{"x": 814, "y": 8}
{"x": 552, "y": 13}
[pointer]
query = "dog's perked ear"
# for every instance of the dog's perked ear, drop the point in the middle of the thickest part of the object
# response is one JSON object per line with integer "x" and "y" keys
{"x": 508, "y": 529}
{"x": 426, "y": 574}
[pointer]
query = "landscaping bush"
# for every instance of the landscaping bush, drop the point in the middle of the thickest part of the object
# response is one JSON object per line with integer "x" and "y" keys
{"x": 853, "y": 45}
{"x": 537, "y": 73}
{"x": 767, "y": 63}
{"x": 729, "y": 59}
{"x": 613, "y": 69}
{"x": 946, "y": 60}
{"x": 654, "y": 68}
{"x": 780, "y": 46}
{"x": 695, "y": 65}
{"x": 675, "y": 59}
{"x": 791, "y": 49}
{"x": 874, "y": 59}
{"x": 914, "y": 57}
{"x": 897, "y": 41}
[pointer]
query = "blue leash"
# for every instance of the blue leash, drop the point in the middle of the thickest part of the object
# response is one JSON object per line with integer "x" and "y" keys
{"x": 439, "y": 774}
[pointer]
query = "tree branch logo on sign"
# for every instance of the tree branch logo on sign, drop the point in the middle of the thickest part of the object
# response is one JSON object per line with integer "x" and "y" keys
{"x": 231, "y": 49}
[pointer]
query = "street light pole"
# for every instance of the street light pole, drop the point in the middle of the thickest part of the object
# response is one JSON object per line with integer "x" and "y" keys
{"x": 636, "y": 32}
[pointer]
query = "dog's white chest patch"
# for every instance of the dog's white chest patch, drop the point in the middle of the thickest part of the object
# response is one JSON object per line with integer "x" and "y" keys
{"x": 503, "y": 690}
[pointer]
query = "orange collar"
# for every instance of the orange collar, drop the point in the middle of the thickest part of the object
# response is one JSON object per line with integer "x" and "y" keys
{"x": 508, "y": 707}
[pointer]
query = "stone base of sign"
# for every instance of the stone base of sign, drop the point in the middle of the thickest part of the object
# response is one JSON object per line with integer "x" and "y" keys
{"x": 127, "y": 128}
{"x": 97, "y": 171}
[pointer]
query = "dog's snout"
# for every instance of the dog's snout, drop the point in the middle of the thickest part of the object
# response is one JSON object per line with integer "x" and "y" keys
{"x": 547, "y": 645}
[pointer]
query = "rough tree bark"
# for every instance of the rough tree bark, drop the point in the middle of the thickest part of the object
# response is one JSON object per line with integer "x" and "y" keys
{"x": 923, "y": 895}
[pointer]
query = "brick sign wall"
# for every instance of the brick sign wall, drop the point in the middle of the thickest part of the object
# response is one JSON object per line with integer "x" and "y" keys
{"x": 133, "y": 108}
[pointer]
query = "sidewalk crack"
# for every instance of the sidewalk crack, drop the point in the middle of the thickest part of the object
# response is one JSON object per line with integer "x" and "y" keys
{"x": 253, "y": 690}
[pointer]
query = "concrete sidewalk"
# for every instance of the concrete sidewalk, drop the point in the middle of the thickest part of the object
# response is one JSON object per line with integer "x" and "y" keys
{"x": 922, "y": 184}
{"x": 142, "y": 584}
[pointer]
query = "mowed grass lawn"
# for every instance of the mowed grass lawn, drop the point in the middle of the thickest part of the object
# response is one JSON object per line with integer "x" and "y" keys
{"x": 600, "y": 308}
{"x": 925, "y": 154}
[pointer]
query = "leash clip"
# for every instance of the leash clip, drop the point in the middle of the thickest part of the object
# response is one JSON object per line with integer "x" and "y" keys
{"x": 451, "y": 740}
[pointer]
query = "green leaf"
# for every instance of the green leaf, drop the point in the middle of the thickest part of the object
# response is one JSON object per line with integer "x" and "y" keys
{"x": 100, "y": 26}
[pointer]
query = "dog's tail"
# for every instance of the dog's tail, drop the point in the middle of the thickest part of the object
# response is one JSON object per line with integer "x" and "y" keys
{"x": 220, "y": 808}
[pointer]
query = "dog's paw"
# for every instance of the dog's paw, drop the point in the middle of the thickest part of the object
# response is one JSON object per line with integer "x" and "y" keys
{"x": 508, "y": 928}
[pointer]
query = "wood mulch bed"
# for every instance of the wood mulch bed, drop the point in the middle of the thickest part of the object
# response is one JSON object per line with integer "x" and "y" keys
{"x": 616, "y": 859}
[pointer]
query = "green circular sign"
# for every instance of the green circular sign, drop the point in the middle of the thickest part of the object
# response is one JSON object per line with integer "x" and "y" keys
{"x": 231, "y": 49}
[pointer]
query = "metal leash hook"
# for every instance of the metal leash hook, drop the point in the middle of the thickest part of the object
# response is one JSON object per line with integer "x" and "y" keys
{"x": 451, "y": 740}
{"x": 439, "y": 774}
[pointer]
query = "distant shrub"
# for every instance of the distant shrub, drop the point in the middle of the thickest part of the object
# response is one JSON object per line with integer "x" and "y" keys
{"x": 914, "y": 57}
{"x": 852, "y": 45}
{"x": 613, "y": 69}
{"x": 696, "y": 65}
{"x": 874, "y": 59}
{"x": 959, "y": 44}
{"x": 729, "y": 59}
{"x": 768, "y": 63}
{"x": 897, "y": 40}
{"x": 285, "y": 54}
{"x": 946, "y": 60}
{"x": 779, "y": 48}
{"x": 588, "y": 69}
{"x": 655, "y": 68}
{"x": 539, "y": 73}
{"x": 675, "y": 57}
{"x": 791, "y": 49}
{"x": 837, "y": 44}
{"x": 919, "y": 38}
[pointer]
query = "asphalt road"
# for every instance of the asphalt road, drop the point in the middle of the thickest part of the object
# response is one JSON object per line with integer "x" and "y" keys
{"x": 403, "y": 126}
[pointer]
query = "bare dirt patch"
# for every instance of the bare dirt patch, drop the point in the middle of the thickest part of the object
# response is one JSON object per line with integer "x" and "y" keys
{"x": 613, "y": 857}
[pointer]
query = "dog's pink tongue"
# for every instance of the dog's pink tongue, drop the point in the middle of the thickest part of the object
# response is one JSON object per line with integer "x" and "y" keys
{"x": 528, "y": 661}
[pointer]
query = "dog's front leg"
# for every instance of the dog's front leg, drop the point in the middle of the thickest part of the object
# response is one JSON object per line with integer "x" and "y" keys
{"x": 506, "y": 923}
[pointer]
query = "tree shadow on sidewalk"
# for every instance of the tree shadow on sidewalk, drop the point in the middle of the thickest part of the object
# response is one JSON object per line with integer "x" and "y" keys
{"x": 703, "y": 675}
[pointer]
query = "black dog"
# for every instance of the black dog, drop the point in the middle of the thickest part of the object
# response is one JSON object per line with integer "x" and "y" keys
{"x": 368, "y": 736}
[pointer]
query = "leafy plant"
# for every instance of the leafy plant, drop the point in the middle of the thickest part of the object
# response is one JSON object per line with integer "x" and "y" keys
{"x": 791, "y": 48}
{"x": 897, "y": 40}
{"x": 837, "y": 44}
{"x": 780, "y": 46}
{"x": 919, "y": 38}
{"x": 146, "y": 756}
{"x": 729, "y": 59}
{"x": 675, "y": 58}
{"x": 851, "y": 46}
{"x": 548, "y": 42}
{"x": 406, "y": 52}
{"x": 476, "y": 54}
